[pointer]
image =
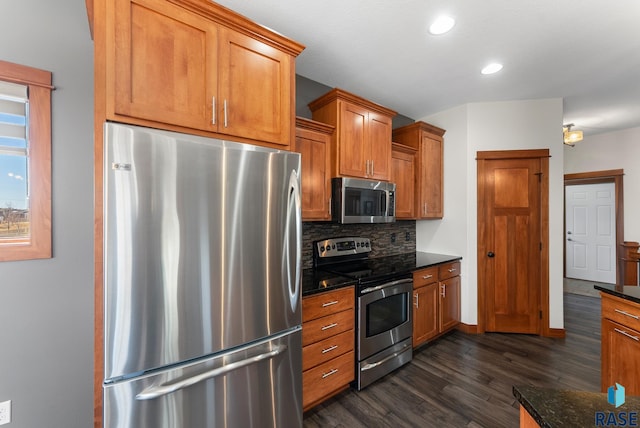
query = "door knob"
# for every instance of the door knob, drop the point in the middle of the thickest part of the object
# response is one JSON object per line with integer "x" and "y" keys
{"x": 490, "y": 254}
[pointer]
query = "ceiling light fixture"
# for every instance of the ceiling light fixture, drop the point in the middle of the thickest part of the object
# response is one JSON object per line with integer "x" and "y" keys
{"x": 570, "y": 137}
{"x": 441, "y": 25}
{"x": 494, "y": 67}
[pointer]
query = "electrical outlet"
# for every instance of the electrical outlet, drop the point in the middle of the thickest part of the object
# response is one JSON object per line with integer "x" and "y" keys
{"x": 5, "y": 412}
{"x": 393, "y": 238}
{"x": 407, "y": 236}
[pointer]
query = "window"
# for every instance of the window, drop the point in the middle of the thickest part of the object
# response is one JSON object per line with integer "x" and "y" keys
{"x": 25, "y": 162}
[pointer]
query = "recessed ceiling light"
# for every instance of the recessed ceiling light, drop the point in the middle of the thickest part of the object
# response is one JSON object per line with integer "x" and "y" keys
{"x": 442, "y": 25}
{"x": 494, "y": 67}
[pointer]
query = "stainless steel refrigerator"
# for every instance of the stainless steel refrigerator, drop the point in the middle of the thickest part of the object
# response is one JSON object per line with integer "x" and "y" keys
{"x": 202, "y": 248}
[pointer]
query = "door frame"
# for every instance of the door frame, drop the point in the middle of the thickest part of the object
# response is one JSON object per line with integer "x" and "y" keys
{"x": 544, "y": 156}
{"x": 597, "y": 177}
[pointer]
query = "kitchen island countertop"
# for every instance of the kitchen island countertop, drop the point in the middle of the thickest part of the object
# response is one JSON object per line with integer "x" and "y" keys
{"x": 627, "y": 292}
{"x": 565, "y": 408}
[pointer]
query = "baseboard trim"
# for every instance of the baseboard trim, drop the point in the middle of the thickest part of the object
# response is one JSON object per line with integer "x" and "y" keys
{"x": 558, "y": 333}
{"x": 468, "y": 328}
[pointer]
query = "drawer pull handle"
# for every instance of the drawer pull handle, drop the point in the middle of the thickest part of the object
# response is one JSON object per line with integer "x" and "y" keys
{"x": 329, "y": 349}
{"x": 627, "y": 334}
{"x": 327, "y": 327}
{"x": 451, "y": 270}
{"x": 324, "y": 305}
{"x": 443, "y": 291}
{"x": 427, "y": 276}
{"x": 627, "y": 314}
{"x": 326, "y": 375}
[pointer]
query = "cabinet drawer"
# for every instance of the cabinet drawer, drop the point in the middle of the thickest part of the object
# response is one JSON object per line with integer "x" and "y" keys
{"x": 621, "y": 311}
{"x": 425, "y": 276}
{"x": 328, "y": 303}
{"x": 320, "y": 352}
{"x": 322, "y": 328}
{"x": 448, "y": 270}
{"x": 327, "y": 378}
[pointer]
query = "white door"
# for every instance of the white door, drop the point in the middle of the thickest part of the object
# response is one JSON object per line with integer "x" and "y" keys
{"x": 591, "y": 232}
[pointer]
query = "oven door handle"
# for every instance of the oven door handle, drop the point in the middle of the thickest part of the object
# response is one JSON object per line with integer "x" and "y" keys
{"x": 370, "y": 366}
{"x": 386, "y": 285}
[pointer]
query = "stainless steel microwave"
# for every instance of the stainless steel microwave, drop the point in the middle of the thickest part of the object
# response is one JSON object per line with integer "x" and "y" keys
{"x": 355, "y": 200}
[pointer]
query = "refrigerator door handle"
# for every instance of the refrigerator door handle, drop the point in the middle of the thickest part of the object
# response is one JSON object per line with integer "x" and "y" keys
{"x": 157, "y": 391}
{"x": 294, "y": 210}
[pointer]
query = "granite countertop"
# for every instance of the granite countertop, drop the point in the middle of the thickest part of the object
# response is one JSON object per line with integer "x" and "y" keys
{"x": 316, "y": 281}
{"x": 564, "y": 408}
{"x": 627, "y": 292}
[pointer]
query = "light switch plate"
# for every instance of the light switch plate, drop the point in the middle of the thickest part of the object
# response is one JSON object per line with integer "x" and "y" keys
{"x": 5, "y": 412}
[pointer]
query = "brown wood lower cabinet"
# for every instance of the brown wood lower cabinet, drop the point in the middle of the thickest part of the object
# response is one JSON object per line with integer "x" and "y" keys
{"x": 436, "y": 301}
{"x": 328, "y": 340}
{"x": 620, "y": 344}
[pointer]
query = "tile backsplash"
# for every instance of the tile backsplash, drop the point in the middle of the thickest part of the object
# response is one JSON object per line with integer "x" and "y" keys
{"x": 386, "y": 238}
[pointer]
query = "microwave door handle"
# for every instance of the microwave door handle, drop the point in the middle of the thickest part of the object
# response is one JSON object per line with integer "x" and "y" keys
{"x": 383, "y": 202}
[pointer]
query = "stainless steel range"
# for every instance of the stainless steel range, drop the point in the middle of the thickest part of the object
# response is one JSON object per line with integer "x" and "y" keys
{"x": 384, "y": 313}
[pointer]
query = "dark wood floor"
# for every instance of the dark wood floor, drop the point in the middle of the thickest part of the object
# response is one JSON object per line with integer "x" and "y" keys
{"x": 466, "y": 380}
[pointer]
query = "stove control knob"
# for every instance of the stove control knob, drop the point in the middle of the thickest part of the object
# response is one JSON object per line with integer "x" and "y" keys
{"x": 333, "y": 246}
{"x": 322, "y": 249}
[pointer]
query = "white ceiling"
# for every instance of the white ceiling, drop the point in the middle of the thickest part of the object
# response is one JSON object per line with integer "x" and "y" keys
{"x": 584, "y": 51}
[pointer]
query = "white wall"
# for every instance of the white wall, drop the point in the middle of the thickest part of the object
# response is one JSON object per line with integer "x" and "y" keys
{"x": 46, "y": 306}
{"x": 613, "y": 150}
{"x": 511, "y": 125}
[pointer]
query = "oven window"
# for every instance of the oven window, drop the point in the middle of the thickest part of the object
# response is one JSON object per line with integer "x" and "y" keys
{"x": 387, "y": 314}
{"x": 364, "y": 202}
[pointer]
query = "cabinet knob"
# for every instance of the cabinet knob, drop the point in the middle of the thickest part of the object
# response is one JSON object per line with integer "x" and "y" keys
{"x": 490, "y": 254}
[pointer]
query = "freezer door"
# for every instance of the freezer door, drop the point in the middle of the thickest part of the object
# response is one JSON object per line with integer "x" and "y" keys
{"x": 256, "y": 386}
{"x": 202, "y": 246}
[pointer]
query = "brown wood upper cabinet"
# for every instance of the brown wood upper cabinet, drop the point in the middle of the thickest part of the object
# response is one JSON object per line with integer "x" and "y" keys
{"x": 312, "y": 142}
{"x": 361, "y": 145}
{"x": 428, "y": 141}
{"x": 403, "y": 172}
{"x": 193, "y": 64}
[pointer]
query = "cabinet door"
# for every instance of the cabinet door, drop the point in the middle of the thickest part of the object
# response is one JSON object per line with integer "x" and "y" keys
{"x": 425, "y": 313}
{"x": 254, "y": 91}
{"x": 620, "y": 357}
{"x": 162, "y": 64}
{"x": 352, "y": 156}
{"x": 431, "y": 178}
{"x": 379, "y": 146}
{"x": 403, "y": 165}
{"x": 449, "y": 303}
{"x": 316, "y": 184}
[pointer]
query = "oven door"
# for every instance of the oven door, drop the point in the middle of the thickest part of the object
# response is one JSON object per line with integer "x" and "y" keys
{"x": 384, "y": 316}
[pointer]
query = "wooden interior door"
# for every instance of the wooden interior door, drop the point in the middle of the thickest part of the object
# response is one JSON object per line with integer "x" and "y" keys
{"x": 510, "y": 240}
